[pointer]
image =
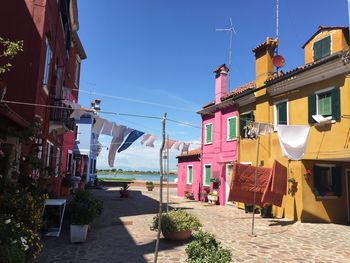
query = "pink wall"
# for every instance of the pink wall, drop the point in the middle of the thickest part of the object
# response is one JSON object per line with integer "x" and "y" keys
{"x": 182, "y": 185}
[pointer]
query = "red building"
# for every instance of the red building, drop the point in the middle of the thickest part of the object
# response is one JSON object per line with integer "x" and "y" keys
{"x": 42, "y": 80}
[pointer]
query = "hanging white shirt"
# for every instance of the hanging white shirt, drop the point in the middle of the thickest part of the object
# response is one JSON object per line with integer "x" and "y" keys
{"x": 98, "y": 125}
{"x": 151, "y": 140}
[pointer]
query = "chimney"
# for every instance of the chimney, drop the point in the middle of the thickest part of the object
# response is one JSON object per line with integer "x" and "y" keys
{"x": 220, "y": 82}
{"x": 264, "y": 67}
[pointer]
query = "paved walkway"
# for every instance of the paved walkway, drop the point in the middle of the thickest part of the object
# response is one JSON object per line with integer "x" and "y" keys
{"x": 122, "y": 234}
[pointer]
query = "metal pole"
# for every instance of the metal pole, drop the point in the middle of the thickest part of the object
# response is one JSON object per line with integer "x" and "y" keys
{"x": 160, "y": 189}
{"x": 167, "y": 181}
{"x": 255, "y": 179}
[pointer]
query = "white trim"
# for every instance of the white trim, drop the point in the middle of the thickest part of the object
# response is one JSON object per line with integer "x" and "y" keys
{"x": 48, "y": 148}
{"x": 228, "y": 184}
{"x": 275, "y": 113}
{"x": 228, "y": 129}
{"x": 347, "y": 192}
{"x": 187, "y": 174}
{"x": 204, "y": 174}
{"x": 325, "y": 165}
{"x": 246, "y": 163}
{"x": 70, "y": 152}
{"x": 205, "y": 133}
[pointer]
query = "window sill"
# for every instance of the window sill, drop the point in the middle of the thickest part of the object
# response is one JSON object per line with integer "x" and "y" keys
{"x": 208, "y": 143}
{"x": 230, "y": 140}
{"x": 188, "y": 183}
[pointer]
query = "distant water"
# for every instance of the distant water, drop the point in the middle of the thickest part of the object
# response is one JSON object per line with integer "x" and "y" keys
{"x": 139, "y": 177}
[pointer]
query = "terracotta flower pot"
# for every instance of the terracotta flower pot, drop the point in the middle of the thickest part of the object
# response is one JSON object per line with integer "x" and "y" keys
{"x": 178, "y": 236}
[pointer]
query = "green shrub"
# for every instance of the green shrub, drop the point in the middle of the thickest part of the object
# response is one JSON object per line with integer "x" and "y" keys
{"x": 149, "y": 183}
{"x": 176, "y": 221}
{"x": 206, "y": 249}
{"x": 84, "y": 208}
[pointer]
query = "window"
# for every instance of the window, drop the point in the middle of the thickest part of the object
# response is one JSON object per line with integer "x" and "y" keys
{"x": 206, "y": 179}
{"x": 49, "y": 153}
{"x": 322, "y": 48}
{"x": 208, "y": 133}
{"x": 327, "y": 180}
{"x": 231, "y": 128}
{"x": 47, "y": 64}
{"x": 281, "y": 113}
{"x": 189, "y": 174}
{"x": 69, "y": 161}
{"x": 244, "y": 119}
{"x": 58, "y": 161}
{"x": 325, "y": 102}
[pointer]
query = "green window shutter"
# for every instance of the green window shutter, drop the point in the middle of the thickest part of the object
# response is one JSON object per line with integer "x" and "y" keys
{"x": 282, "y": 113}
{"x": 312, "y": 107}
{"x": 335, "y": 103}
{"x": 190, "y": 174}
{"x": 317, "y": 180}
{"x": 336, "y": 180}
{"x": 207, "y": 175}
{"x": 242, "y": 123}
{"x": 317, "y": 50}
{"x": 232, "y": 123}
{"x": 209, "y": 133}
{"x": 326, "y": 46}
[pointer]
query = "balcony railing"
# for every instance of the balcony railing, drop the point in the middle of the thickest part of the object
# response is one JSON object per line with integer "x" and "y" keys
{"x": 60, "y": 114}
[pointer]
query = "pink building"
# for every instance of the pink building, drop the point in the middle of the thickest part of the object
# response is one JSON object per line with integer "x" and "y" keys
{"x": 219, "y": 141}
{"x": 189, "y": 173}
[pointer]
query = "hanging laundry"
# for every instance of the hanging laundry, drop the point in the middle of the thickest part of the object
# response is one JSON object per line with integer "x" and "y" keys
{"x": 133, "y": 136}
{"x": 120, "y": 131}
{"x": 169, "y": 144}
{"x": 265, "y": 128}
{"x": 242, "y": 183}
{"x": 185, "y": 147}
{"x": 177, "y": 145}
{"x": 276, "y": 186}
{"x": 97, "y": 127}
{"x": 151, "y": 140}
{"x": 77, "y": 111}
{"x": 145, "y": 138}
{"x": 293, "y": 140}
{"x": 107, "y": 128}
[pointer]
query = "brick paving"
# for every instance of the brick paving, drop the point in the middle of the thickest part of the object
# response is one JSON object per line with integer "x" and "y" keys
{"x": 122, "y": 234}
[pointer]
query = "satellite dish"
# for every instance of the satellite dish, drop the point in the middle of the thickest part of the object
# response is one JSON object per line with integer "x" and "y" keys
{"x": 278, "y": 61}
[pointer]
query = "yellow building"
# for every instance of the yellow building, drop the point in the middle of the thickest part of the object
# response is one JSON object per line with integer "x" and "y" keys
{"x": 319, "y": 184}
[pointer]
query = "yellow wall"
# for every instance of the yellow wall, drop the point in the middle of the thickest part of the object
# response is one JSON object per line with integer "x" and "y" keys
{"x": 338, "y": 43}
{"x": 322, "y": 144}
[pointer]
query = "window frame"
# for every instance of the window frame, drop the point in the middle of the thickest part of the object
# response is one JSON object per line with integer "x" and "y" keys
{"x": 47, "y": 66}
{"x": 206, "y": 135}
{"x": 316, "y": 192}
{"x": 204, "y": 174}
{"x": 77, "y": 66}
{"x": 69, "y": 153}
{"x": 323, "y": 91}
{"x": 49, "y": 145}
{"x": 187, "y": 174}
{"x": 275, "y": 114}
{"x": 228, "y": 129}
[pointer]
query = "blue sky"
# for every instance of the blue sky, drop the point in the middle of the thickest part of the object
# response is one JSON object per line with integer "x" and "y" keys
{"x": 153, "y": 56}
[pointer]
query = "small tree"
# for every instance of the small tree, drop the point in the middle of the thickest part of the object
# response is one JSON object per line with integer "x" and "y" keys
{"x": 8, "y": 50}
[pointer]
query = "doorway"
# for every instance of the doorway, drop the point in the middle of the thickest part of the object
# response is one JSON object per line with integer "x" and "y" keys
{"x": 229, "y": 178}
{"x": 347, "y": 176}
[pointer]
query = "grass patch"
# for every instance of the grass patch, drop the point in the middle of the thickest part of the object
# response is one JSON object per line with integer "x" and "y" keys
{"x": 116, "y": 179}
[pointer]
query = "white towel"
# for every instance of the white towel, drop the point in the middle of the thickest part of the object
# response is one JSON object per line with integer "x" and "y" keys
{"x": 77, "y": 112}
{"x": 98, "y": 125}
{"x": 169, "y": 144}
{"x": 293, "y": 140}
{"x": 120, "y": 131}
{"x": 145, "y": 138}
{"x": 107, "y": 128}
{"x": 177, "y": 145}
{"x": 151, "y": 140}
{"x": 185, "y": 147}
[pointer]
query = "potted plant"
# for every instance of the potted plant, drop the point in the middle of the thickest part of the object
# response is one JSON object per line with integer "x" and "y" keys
{"x": 177, "y": 225}
{"x": 189, "y": 195}
{"x": 213, "y": 197}
{"x": 84, "y": 209}
{"x": 216, "y": 183}
{"x": 66, "y": 185}
{"x": 149, "y": 185}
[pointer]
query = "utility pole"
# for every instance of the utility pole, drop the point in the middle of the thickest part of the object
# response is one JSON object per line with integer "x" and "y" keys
{"x": 160, "y": 189}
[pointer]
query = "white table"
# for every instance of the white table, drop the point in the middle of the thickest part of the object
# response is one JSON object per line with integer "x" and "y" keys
{"x": 61, "y": 204}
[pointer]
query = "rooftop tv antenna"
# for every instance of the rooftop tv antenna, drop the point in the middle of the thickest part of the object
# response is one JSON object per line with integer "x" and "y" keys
{"x": 231, "y": 30}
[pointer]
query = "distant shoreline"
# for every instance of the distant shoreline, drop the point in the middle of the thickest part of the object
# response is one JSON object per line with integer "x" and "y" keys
{"x": 129, "y": 172}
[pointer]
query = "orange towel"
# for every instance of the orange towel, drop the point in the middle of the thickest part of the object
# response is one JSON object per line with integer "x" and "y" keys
{"x": 242, "y": 184}
{"x": 276, "y": 186}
